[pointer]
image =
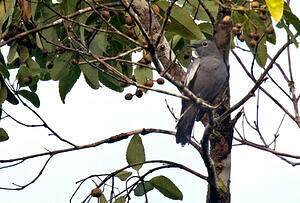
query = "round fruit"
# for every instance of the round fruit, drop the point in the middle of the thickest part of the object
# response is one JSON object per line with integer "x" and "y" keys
{"x": 186, "y": 56}
{"x": 160, "y": 81}
{"x": 128, "y": 96}
{"x": 44, "y": 52}
{"x": 25, "y": 41}
{"x": 256, "y": 36}
{"x": 263, "y": 16}
{"x": 74, "y": 62}
{"x": 96, "y": 192}
{"x": 133, "y": 78}
{"x": 263, "y": 9}
{"x": 252, "y": 43}
{"x": 226, "y": 19}
{"x": 142, "y": 61}
{"x": 252, "y": 34}
{"x": 241, "y": 9}
{"x": 129, "y": 20}
{"x": 149, "y": 83}
{"x": 269, "y": 30}
{"x": 106, "y": 14}
{"x": 241, "y": 38}
{"x": 236, "y": 30}
{"x": 139, "y": 93}
{"x": 254, "y": 4}
{"x": 239, "y": 25}
{"x": 27, "y": 80}
{"x": 130, "y": 33}
{"x": 147, "y": 59}
{"x": 49, "y": 64}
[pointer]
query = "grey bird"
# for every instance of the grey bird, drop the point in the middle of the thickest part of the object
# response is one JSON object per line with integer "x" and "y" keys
{"x": 205, "y": 77}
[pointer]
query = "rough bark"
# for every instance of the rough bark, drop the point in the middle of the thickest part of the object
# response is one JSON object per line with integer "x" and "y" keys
{"x": 221, "y": 139}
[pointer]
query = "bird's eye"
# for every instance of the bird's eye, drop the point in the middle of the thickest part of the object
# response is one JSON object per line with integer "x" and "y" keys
{"x": 204, "y": 44}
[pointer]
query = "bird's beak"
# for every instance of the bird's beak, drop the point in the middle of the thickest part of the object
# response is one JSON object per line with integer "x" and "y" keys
{"x": 191, "y": 46}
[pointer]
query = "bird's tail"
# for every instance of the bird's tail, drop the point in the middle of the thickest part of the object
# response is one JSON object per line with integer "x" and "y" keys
{"x": 185, "y": 125}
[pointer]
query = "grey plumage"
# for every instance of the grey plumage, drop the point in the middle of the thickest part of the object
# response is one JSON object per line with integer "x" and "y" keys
{"x": 205, "y": 77}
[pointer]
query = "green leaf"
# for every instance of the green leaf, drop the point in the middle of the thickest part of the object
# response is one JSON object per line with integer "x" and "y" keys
{"x": 33, "y": 8}
{"x": 193, "y": 7}
{"x": 6, "y": 13}
{"x": 12, "y": 54}
{"x": 109, "y": 82}
{"x": 206, "y": 28}
{"x": 99, "y": 44}
{"x": 183, "y": 53}
{"x": 262, "y": 54}
{"x": 68, "y": 6}
{"x": 24, "y": 53}
{"x": 10, "y": 97}
{"x": 102, "y": 199}
{"x": 292, "y": 19}
{"x": 51, "y": 35}
{"x": 4, "y": 71}
{"x": 181, "y": 21}
{"x": 66, "y": 83}
{"x": 30, "y": 96}
{"x": 166, "y": 187}
{"x": 135, "y": 152}
{"x": 90, "y": 75}
{"x": 142, "y": 74}
{"x": 61, "y": 66}
{"x": 140, "y": 190}
{"x": 32, "y": 64}
{"x": 121, "y": 199}
{"x": 123, "y": 175}
{"x": 3, "y": 135}
{"x": 3, "y": 93}
{"x": 289, "y": 32}
{"x": 276, "y": 8}
{"x": 82, "y": 19}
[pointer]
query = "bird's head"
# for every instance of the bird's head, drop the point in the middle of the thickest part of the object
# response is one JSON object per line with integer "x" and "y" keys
{"x": 204, "y": 47}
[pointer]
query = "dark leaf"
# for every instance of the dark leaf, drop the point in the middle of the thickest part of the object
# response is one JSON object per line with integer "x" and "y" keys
{"x": 166, "y": 187}
{"x": 66, "y": 83}
{"x": 292, "y": 19}
{"x": 4, "y": 71}
{"x": 181, "y": 21}
{"x": 109, "y": 81}
{"x": 135, "y": 152}
{"x": 30, "y": 96}
{"x": 12, "y": 54}
{"x": 3, "y": 135}
{"x": 61, "y": 66}
{"x": 123, "y": 175}
{"x": 91, "y": 75}
{"x": 3, "y": 94}
{"x": 142, "y": 74}
{"x": 140, "y": 190}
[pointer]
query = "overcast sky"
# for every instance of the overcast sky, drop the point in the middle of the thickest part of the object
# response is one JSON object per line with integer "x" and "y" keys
{"x": 92, "y": 115}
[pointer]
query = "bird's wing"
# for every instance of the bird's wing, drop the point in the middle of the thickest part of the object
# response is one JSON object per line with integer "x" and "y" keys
{"x": 191, "y": 70}
{"x": 208, "y": 80}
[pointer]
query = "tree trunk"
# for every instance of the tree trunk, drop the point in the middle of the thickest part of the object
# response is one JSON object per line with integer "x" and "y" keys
{"x": 221, "y": 139}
